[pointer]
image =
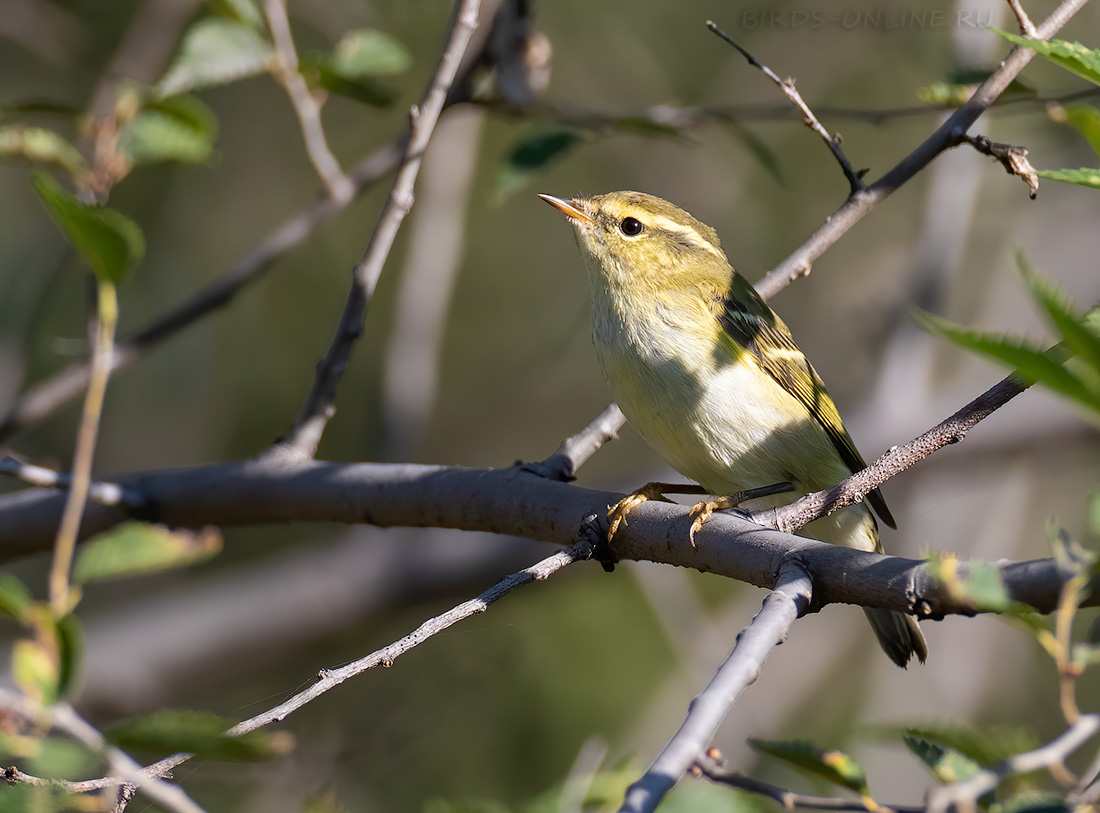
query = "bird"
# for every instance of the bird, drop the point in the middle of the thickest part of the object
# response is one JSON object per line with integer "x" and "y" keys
{"x": 712, "y": 379}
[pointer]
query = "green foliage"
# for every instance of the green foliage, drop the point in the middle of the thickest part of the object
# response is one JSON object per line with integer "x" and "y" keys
{"x": 1073, "y": 56}
{"x": 217, "y": 51}
{"x": 1085, "y": 176}
{"x": 47, "y": 757}
{"x": 176, "y": 128}
{"x": 38, "y": 145}
{"x": 45, "y": 663}
{"x": 108, "y": 241}
{"x": 243, "y": 11}
{"x": 195, "y": 732}
{"x": 141, "y": 547}
{"x": 351, "y": 69}
{"x": 1078, "y": 380}
{"x": 38, "y": 799}
{"x": 948, "y": 765}
{"x": 832, "y": 765}
{"x": 960, "y": 85}
{"x": 984, "y": 746}
{"x": 15, "y": 597}
{"x": 1085, "y": 119}
{"x": 530, "y": 155}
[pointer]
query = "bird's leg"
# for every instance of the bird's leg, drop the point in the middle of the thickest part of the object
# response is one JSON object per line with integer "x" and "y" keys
{"x": 616, "y": 517}
{"x": 702, "y": 511}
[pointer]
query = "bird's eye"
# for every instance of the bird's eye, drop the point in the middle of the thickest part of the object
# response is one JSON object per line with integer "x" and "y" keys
{"x": 630, "y": 227}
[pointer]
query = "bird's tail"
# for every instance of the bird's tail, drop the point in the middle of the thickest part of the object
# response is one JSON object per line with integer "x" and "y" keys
{"x": 898, "y": 635}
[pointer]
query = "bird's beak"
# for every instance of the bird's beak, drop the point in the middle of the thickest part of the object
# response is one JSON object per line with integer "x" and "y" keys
{"x": 568, "y": 208}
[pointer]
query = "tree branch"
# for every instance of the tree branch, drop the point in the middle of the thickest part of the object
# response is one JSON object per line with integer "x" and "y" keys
{"x": 767, "y": 630}
{"x": 320, "y": 404}
{"x": 948, "y": 135}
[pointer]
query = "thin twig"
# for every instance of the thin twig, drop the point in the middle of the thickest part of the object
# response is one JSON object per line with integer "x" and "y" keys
{"x": 103, "y": 493}
{"x": 320, "y": 404}
{"x": 305, "y": 104}
{"x": 1027, "y": 27}
{"x": 712, "y": 768}
{"x": 767, "y": 630}
{"x": 84, "y": 450}
{"x": 575, "y": 450}
{"x": 123, "y": 768}
{"x": 948, "y": 135}
{"x": 855, "y": 181}
{"x": 851, "y": 490}
{"x": 942, "y": 799}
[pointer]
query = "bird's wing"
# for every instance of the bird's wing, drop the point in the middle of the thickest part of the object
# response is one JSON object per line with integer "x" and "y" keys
{"x": 748, "y": 320}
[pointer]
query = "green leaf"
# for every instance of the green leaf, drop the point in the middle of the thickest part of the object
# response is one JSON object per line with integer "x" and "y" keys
{"x": 243, "y": 11}
{"x": 835, "y": 766}
{"x": 980, "y": 583}
{"x": 368, "y": 52}
{"x": 1094, "y": 513}
{"x": 947, "y": 764}
{"x": 216, "y": 51}
{"x": 56, "y": 758}
{"x": 318, "y": 72}
{"x": 1032, "y": 801}
{"x": 15, "y": 597}
{"x": 530, "y": 155}
{"x": 70, "y": 655}
{"x": 1031, "y": 362}
{"x": 985, "y": 745}
{"x": 23, "y": 798}
{"x": 108, "y": 241}
{"x": 960, "y": 85}
{"x": 35, "y": 662}
{"x": 140, "y": 547}
{"x": 39, "y": 146}
{"x": 177, "y": 128}
{"x": 1086, "y": 176}
{"x": 1073, "y": 56}
{"x": 1067, "y": 320}
{"x": 1085, "y": 119}
{"x": 196, "y": 732}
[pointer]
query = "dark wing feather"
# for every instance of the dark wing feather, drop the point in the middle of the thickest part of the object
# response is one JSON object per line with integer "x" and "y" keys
{"x": 756, "y": 328}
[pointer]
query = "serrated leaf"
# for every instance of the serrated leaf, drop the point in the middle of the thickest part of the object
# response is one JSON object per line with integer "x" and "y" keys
{"x": 197, "y": 732}
{"x": 140, "y": 547}
{"x": 984, "y": 745}
{"x": 177, "y": 128}
{"x": 108, "y": 241}
{"x": 1062, "y": 313}
{"x": 1085, "y": 119}
{"x": 216, "y": 51}
{"x": 39, "y": 146}
{"x": 244, "y": 11}
{"x": 528, "y": 156}
{"x": 1086, "y": 176}
{"x": 1073, "y": 56}
{"x": 947, "y": 764}
{"x": 15, "y": 597}
{"x": 835, "y": 766}
{"x": 1031, "y": 362}
{"x": 369, "y": 52}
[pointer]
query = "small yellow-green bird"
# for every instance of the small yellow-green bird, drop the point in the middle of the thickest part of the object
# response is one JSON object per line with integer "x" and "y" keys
{"x": 710, "y": 377}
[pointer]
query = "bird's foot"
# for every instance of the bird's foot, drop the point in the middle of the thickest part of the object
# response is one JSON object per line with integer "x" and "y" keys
{"x": 616, "y": 517}
{"x": 702, "y": 511}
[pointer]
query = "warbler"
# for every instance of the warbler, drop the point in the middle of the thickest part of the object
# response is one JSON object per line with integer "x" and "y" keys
{"x": 711, "y": 378}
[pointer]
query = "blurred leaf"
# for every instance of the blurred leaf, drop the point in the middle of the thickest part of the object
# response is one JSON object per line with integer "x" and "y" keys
{"x": 39, "y": 146}
{"x": 46, "y": 663}
{"x": 530, "y": 155}
{"x": 318, "y": 71}
{"x": 1085, "y": 119}
{"x": 981, "y": 585}
{"x": 1031, "y": 802}
{"x": 176, "y": 128}
{"x": 947, "y": 764}
{"x": 1085, "y": 176}
{"x": 15, "y": 597}
{"x": 108, "y": 241}
{"x": 140, "y": 547}
{"x": 1073, "y": 56}
{"x": 1031, "y": 362}
{"x": 197, "y": 732}
{"x": 59, "y": 758}
{"x": 835, "y": 766}
{"x": 763, "y": 153}
{"x": 1073, "y": 559}
{"x": 41, "y": 106}
{"x": 216, "y": 51}
{"x": 38, "y": 799}
{"x": 464, "y": 806}
{"x": 984, "y": 745}
{"x": 70, "y": 653}
{"x": 244, "y": 11}
{"x": 368, "y": 52}
{"x": 960, "y": 85}
{"x": 1094, "y": 513}
{"x": 323, "y": 803}
{"x": 34, "y": 670}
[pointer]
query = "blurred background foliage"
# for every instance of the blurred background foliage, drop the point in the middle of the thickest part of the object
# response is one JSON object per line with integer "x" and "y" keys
{"x": 588, "y": 663}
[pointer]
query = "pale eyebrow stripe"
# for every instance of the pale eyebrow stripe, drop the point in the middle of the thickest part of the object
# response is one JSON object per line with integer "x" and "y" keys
{"x": 667, "y": 224}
